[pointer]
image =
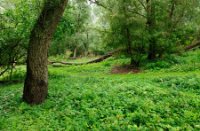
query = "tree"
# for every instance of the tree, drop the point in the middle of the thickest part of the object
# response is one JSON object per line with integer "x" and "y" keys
{"x": 123, "y": 28}
{"x": 36, "y": 82}
{"x": 147, "y": 29}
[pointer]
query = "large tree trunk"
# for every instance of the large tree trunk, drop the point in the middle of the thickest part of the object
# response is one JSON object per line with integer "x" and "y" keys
{"x": 36, "y": 82}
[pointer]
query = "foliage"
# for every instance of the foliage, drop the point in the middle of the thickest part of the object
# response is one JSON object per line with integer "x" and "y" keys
{"x": 72, "y": 31}
{"x": 188, "y": 82}
{"x": 164, "y": 95}
{"x": 16, "y": 23}
{"x": 149, "y": 29}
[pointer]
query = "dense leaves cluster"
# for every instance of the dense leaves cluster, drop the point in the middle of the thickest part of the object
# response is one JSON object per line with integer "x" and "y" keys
{"x": 17, "y": 19}
{"x": 149, "y": 28}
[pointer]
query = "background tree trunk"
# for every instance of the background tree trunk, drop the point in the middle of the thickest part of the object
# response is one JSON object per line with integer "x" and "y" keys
{"x": 150, "y": 27}
{"x": 75, "y": 53}
{"x": 36, "y": 82}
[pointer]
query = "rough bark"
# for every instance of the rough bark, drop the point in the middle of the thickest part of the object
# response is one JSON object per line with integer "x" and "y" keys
{"x": 36, "y": 82}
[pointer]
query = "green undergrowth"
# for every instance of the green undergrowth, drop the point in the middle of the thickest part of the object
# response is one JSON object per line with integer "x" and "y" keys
{"x": 89, "y": 97}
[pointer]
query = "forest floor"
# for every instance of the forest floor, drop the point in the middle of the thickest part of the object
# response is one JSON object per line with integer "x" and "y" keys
{"x": 163, "y": 95}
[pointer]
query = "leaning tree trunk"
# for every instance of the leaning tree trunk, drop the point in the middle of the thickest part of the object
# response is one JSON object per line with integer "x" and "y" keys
{"x": 36, "y": 82}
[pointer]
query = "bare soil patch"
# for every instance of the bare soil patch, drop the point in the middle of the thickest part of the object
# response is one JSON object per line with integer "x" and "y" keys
{"x": 125, "y": 69}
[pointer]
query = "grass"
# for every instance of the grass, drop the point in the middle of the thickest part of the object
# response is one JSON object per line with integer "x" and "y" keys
{"x": 89, "y": 97}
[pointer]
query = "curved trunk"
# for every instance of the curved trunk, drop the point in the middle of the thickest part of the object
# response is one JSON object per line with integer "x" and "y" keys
{"x": 36, "y": 82}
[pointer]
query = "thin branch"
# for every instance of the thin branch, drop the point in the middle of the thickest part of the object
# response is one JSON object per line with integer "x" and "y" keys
{"x": 145, "y": 8}
{"x": 99, "y": 4}
{"x": 135, "y": 12}
{"x": 4, "y": 71}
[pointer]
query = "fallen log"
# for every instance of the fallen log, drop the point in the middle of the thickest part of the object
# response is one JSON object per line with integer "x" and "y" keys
{"x": 10, "y": 81}
{"x": 100, "y": 59}
{"x": 194, "y": 44}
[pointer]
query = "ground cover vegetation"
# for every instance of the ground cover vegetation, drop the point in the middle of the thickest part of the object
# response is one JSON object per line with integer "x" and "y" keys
{"x": 99, "y": 65}
{"x": 91, "y": 97}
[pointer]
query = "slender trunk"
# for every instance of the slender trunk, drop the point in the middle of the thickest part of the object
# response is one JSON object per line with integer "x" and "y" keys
{"x": 128, "y": 37}
{"x": 150, "y": 27}
{"x": 75, "y": 53}
{"x": 135, "y": 63}
{"x": 152, "y": 50}
{"x": 87, "y": 44}
{"x": 36, "y": 82}
{"x": 172, "y": 10}
{"x": 129, "y": 48}
{"x": 171, "y": 14}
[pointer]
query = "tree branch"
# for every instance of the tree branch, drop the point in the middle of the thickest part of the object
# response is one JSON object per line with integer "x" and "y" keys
{"x": 99, "y": 4}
